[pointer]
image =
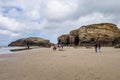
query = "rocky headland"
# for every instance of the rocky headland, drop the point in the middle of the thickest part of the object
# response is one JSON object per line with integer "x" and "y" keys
{"x": 107, "y": 34}
{"x": 33, "y": 41}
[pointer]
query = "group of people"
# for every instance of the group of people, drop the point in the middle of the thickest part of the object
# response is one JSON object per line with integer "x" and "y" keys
{"x": 54, "y": 48}
{"x": 97, "y": 46}
{"x": 60, "y": 47}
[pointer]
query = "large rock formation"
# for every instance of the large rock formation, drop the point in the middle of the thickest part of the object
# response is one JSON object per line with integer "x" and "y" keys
{"x": 33, "y": 41}
{"x": 63, "y": 39}
{"x": 106, "y": 33}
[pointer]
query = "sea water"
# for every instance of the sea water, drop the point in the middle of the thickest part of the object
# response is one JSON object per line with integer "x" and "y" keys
{"x": 6, "y": 50}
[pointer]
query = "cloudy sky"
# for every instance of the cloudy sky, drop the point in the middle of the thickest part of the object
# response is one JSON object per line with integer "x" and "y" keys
{"x": 51, "y": 18}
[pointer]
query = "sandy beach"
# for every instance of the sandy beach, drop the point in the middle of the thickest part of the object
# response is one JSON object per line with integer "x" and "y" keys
{"x": 70, "y": 64}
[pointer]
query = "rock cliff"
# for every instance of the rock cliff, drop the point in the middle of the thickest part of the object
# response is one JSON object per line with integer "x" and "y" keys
{"x": 33, "y": 41}
{"x": 106, "y": 33}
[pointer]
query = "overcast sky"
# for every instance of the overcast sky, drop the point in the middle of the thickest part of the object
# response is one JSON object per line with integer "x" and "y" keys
{"x": 51, "y": 18}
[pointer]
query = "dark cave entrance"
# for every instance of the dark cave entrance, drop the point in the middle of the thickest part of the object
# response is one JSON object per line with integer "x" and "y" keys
{"x": 59, "y": 41}
{"x": 76, "y": 40}
{"x": 67, "y": 41}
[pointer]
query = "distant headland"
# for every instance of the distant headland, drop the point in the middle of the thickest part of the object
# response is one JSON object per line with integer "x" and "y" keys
{"x": 33, "y": 41}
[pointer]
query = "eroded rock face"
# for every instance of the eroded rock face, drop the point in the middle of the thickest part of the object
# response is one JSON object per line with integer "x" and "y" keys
{"x": 33, "y": 41}
{"x": 106, "y": 33}
{"x": 74, "y": 32}
{"x": 64, "y": 39}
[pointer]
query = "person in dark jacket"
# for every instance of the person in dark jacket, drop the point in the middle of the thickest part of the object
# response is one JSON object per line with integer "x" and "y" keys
{"x": 99, "y": 46}
{"x": 28, "y": 44}
{"x": 96, "y": 46}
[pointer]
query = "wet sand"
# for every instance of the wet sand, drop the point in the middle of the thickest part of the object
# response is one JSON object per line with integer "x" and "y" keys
{"x": 70, "y": 64}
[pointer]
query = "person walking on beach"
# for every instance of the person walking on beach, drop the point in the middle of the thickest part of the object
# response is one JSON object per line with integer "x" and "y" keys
{"x": 60, "y": 47}
{"x": 96, "y": 46}
{"x": 28, "y": 44}
{"x": 99, "y": 46}
{"x": 54, "y": 48}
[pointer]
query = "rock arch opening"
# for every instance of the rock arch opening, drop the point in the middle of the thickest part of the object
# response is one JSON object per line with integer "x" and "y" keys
{"x": 68, "y": 41}
{"x": 76, "y": 40}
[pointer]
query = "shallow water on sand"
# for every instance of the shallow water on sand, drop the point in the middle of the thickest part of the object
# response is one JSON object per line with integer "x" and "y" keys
{"x": 6, "y": 50}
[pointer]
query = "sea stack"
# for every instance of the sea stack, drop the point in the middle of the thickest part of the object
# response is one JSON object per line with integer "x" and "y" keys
{"x": 33, "y": 41}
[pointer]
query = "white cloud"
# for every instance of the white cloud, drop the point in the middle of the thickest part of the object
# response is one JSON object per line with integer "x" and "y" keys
{"x": 60, "y": 10}
{"x": 53, "y": 17}
{"x": 8, "y": 23}
{"x": 95, "y": 17}
{"x": 14, "y": 25}
{"x": 8, "y": 33}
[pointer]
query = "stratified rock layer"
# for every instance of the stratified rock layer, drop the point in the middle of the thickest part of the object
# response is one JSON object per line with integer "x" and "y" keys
{"x": 106, "y": 33}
